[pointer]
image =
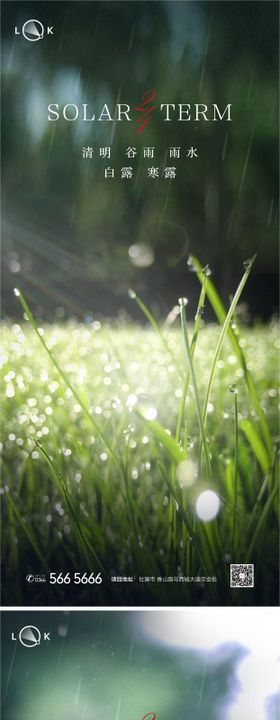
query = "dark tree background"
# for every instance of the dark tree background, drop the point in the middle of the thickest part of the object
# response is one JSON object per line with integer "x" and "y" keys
{"x": 66, "y": 230}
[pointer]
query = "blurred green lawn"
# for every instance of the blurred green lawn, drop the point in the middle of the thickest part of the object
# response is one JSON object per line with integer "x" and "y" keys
{"x": 118, "y": 484}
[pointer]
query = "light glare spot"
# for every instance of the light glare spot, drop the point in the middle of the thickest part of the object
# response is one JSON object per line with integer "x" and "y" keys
{"x": 131, "y": 401}
{"x": 10, "y": 391}
{"x": 150, "y": 413}
{"x": 207, "y": 505}
{"x": 141, "y": 255}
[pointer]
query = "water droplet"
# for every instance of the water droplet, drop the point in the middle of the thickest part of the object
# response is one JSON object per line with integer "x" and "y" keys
{"x": 131, "y": 294}
{"x": 17, "y": 292}
{"x": 186, "y": 473}
{"x": 190, "y": 264}
{"x": 233, "y": 389}
{"x": 183, "y": 301}
{"x": 206, "y": 271}
{"x": 247, "y": 263}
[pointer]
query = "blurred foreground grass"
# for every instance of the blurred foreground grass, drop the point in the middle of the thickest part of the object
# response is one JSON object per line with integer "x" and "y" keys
{"x": 120, "y": 501}
{"x": 148, "y": 454}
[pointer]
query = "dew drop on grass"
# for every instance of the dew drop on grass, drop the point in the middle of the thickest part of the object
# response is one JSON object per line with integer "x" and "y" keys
{"x": 206, "y": 271}
{"x": 190, "y": 264}
{"x": 17, "y": 292}
{"x": 247, "y": 264}
{"x": 186, "y": 473}
{"x": 183, "y": 301}
{"x": 131, "y": 294}
{"x": 178, "y": 393}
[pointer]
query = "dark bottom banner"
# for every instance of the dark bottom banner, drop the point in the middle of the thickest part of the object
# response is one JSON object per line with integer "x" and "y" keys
{"x": 189, "y": 664}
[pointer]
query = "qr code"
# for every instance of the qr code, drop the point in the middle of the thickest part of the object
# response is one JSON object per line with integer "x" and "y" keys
{"x": 241, "y": 576}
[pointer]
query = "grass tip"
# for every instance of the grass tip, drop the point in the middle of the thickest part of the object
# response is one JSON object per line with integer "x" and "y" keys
{"x": 131, "y": 294}
{"x": 183, "y": 301}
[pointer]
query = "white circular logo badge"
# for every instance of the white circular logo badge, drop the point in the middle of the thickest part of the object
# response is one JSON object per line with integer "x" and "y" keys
{"x": 33, "y": 30}
{"x": 29, "y": 636}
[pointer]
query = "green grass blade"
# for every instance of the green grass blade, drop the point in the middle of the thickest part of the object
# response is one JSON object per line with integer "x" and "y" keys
{"x": 224, "y": 331}
{"x": 235, "y": 474}
{"x": 220, "y": 312}
{"x": 88, "y": 549}
{"x": 63, "y": 374}
{"x": 28, "y": 532}
{"x": 174, "y": 452}
{"x": 256, "y": 444}
{"x": 198, "y": 315}
{"x": 268, "y": 505}
{"x": 193, "y": 379}
{"x": 155, "y": 325}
